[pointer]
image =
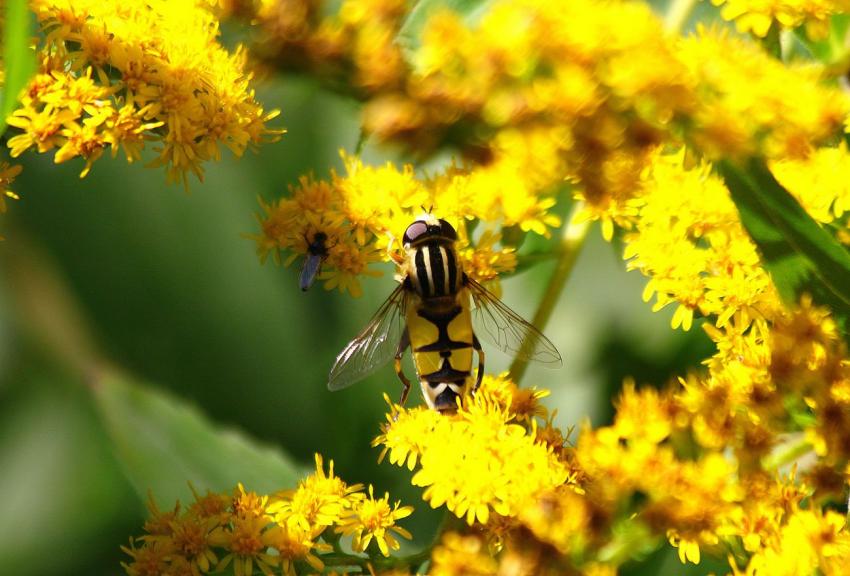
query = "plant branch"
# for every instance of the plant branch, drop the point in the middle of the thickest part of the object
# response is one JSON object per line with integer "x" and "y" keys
{"x": 678, "y": 13}
{"x": 572, "y": 239}
{"x": 787, "y": 454}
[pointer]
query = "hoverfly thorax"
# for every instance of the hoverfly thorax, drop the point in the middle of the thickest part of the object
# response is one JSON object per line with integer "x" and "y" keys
{"x": 431, "y": 263}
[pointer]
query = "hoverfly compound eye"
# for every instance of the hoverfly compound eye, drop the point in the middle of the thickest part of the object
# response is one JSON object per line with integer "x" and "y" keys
{"x": 447, "y": 230}
{"x": 414, "y": 231}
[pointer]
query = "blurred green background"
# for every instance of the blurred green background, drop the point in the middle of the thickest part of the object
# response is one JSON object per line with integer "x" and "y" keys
{"x": 172, "y": 294}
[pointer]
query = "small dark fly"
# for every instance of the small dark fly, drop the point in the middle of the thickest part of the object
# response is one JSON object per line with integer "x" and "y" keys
{"x": 317, "y": 253}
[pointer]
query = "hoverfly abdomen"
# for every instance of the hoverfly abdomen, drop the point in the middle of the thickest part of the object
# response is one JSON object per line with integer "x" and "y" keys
{"x": 439, "y": 324}
{"x": 441, "y": 319}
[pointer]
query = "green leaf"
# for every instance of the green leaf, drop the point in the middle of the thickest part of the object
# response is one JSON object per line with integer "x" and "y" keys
{"x": 164, "y": 444}
{"x": 801, "y": 256}
{"x": 830, "y": 50}
{"x": 18, "y": 59}
{"x": 410, "y": 34}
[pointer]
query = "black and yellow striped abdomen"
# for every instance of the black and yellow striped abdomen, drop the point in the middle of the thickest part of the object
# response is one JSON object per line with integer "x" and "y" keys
{"x": 439, "y": 324}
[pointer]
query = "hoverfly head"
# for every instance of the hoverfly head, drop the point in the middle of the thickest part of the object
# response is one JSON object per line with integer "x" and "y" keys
{"x": 428, "y": 228}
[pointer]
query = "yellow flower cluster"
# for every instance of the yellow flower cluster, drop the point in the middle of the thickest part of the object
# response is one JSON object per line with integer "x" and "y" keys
{"x": 695, "y": 464}
{"x": 819, "y": 182}
{"x": 688, "y": 499}
{"x": 280, "y": 533}
{"x": 778, "y": 380}
{"x": 354, "y": 50}
{"x": 500, "y": 466}
{"x": 360, "y": 218}
{"x": 648, "y": 475}
{"x": 595, "y": 93}
{"x": 121, "y": 75}
{"x": 806, "y": 540}
{"x": 684, "y": 232}
{"x": 757, "y": 16}
{"x": 535, "y": 93}
{"x": 687, "y": 237}
{"x": 751, "y": 104}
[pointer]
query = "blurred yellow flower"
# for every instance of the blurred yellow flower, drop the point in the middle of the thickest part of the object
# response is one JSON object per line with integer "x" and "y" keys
{"x": 462, "y": 555}
{"x": 8, "y": 173}
{"x": 757, "y": 16}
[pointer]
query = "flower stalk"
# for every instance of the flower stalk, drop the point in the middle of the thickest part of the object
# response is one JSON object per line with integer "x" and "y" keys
{"x": 678, "y": 13}
{"x": 572, "y": 240}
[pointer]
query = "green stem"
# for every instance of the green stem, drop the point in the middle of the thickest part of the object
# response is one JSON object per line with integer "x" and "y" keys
{"x": 575, "y": 233}
{"x": 678, "y": 13}
{"x": 788, "y": 454}
{"x": 344, "y": 560}
{"x": 361, "y": 142}
{"x": 415, "y": 560}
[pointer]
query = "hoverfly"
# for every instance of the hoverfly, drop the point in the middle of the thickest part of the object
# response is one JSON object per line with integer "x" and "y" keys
{"x": 317, "y": 253}
{"x": 433, "y": 311}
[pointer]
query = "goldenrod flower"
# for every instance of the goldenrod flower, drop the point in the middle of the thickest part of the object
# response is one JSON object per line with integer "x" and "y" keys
{"x": 364, "y": 214}
{"x": 119, "y": 76}
{"x": 211, "y": 505}
{"x": 370, "y": 519}
{"x": 818, "y": 181}
{"x": 809, "y": 542}
{"x": 246, "y": 504}
{"x": 484, "y": 261}
{"x": 149, "y": 560}
{"x": 348, "y": 262}
{"x": 688, "y": 500}
{"x": 319, "y": 501}
{"x": 253, "y": 532}
{"x": 405, "y": 439}
{"x": 740, "y": 116}
{"x": 560, "y": 517}
{"x": 592, "y": 96}
{"x": 688, "y": 238}
{"x": 191, "y": 539}
{"x": 758, "y": 16}
{"x": 522, "y": 403}
{"x": 462, "y": 555}
{"x": 294, "y": 544}
{"x": 247, "y": 544}
{"x": 496, "y": 469}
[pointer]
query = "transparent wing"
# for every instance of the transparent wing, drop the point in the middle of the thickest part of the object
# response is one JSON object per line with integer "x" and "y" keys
{"x": 374, "y": 346}
{"x": 497, "y": 324}
{"x": 309, "y": 270}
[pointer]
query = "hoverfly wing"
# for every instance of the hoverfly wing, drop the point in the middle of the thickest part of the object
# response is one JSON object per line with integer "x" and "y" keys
{"x": 374, "y": 346}
{"x": 311, "y": 268}
{"x": 497, "y": 324}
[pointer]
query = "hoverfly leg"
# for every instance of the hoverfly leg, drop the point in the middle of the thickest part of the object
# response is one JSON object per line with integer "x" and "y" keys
{"x": 403, "y": 345}
{"x": 476, "y": 345}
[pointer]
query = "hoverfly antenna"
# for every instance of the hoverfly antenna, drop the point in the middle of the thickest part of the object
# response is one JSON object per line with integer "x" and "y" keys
{"x": 427, "y": 210}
